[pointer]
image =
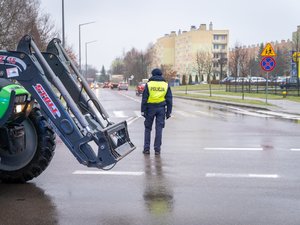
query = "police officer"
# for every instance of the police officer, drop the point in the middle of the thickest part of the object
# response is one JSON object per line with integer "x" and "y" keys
{"x": 156, "y": 104}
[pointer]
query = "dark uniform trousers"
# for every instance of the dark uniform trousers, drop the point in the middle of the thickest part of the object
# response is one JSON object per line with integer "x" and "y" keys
{"x": 159, "y": 113}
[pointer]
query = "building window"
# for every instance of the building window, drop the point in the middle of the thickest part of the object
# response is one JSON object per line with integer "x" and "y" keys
{"x": 216, "y": 46}
{"x": 216, "y": 37}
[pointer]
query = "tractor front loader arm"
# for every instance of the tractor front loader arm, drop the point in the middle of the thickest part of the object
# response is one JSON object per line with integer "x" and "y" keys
{"x": 77, "y": 126}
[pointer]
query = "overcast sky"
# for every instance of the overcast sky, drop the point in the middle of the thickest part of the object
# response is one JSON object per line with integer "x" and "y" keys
{"x": 123, "y": 24}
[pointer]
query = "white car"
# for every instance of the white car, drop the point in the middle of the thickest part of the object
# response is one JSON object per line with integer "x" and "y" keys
{"x": 240, "y": 80}
{"x": 257, "y": 80}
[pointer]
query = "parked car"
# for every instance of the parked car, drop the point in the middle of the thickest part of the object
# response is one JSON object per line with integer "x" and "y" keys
{"x": 239, "y": 80}
{"x": 257, "y": 80}
{"x": 123, "y": 86}
{"x": 227, "y": 79}
{"x": 279, "y": 80}
{"x": 140, "y": 88}
{"x": 289, "y": 82}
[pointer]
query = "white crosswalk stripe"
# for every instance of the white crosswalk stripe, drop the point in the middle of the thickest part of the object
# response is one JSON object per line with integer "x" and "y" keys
{"x": 201, "y": 114}
{"x": 279, "y": 114}
{"x": 119, "y": 114}
{"x": 248, "y": 113}
{"x": 184, "y": 114}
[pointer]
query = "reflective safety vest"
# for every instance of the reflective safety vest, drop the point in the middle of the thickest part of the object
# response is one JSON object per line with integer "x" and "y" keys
{"x": 157, "y": 91}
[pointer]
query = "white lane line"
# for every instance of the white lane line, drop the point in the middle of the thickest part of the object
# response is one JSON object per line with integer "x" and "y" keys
{"x": 205, "y": 113}
{"x": 137, "y": 113}
{"x": 95, "y": 172}
{"x": 184, "y": 114}
{"x": 132, "y": 119}
{"x": 119, "y": 114}
{"x": 233, "y": 149}
{"x": 133, "y": 99}
{"x": 241, "y": 175}
{"x": 295, "y": 149}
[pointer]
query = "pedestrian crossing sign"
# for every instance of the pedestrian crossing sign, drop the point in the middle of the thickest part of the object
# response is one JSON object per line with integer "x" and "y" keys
{"x": 296, "y": 56}
{"x": 268, "y": 51}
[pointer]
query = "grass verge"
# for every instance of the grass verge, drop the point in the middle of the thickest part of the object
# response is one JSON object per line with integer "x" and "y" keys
{"x": 225, "y": 99}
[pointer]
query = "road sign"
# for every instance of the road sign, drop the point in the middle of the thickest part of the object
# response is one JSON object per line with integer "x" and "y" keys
{"x": 296, "y": 56}
{"x": 268, "y": 64}
{"x": 268, "y": 51}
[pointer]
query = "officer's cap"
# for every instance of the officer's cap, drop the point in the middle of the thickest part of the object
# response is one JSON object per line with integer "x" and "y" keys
{"x": 156, "y": 72}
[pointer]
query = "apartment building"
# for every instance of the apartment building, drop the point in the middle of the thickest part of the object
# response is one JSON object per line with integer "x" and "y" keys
{"x": 179, "y": 49}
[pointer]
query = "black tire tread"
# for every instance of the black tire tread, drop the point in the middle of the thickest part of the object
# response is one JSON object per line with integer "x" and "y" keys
{"x": 43, "y": 155}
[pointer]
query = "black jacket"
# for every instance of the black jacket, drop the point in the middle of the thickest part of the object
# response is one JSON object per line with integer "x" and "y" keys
{"x": 168, "y": 102}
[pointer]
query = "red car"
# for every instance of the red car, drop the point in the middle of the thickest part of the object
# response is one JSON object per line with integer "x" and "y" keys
{"x": 140, "y": 88}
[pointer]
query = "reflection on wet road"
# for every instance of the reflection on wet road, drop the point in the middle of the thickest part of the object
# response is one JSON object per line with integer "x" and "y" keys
{"x": 26, "y": 204}
{"x": 158, "y": 194}
{"x": 218, "y": 165}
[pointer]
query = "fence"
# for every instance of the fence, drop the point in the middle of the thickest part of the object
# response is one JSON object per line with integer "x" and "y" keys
{"x": 291, "y": 89}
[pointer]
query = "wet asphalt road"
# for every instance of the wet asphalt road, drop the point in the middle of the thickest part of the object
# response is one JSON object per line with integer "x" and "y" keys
{"x": 218, "y": 166}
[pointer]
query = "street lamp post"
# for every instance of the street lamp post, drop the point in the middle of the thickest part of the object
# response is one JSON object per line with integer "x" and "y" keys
{"x": 63, "y": 22}
{"x": 86, "y": 63}
{"x": 80, "y": 25}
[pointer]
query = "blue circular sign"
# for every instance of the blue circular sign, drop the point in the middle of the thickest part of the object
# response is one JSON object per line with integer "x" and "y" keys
{"x": 268, "y": 63}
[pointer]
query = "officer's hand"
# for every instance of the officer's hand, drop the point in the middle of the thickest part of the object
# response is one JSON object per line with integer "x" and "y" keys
{"x": 168, "y": 116}
{"x": 143, "y": 114}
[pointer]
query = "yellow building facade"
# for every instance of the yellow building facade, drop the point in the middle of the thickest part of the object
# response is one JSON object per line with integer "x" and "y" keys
{"x": 179, "y": 50}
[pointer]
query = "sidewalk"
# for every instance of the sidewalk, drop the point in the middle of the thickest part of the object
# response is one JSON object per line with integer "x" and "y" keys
{"x": 278, "y": 105}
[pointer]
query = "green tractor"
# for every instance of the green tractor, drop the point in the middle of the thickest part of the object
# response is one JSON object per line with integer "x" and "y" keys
{"x": 44, "y": 94}
{"x": 27, "y": 141}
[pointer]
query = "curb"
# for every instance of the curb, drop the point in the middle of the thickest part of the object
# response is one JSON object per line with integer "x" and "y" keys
{"x": 270, "y": 108}
{"x": 225, "y": 103}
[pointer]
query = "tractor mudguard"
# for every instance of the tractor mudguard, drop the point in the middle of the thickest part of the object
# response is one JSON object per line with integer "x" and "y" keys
{"x": 76, "y": 122}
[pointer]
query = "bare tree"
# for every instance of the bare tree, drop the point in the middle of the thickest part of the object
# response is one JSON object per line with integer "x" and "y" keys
{"x": 239, "y": 61}
{"x": 20, "y": 17}
{"x": 203, "y": 65}
{"x": 208, "y": 65}
{"x": 199, "y": 64}
{"x": 207, "y": 58}
{"x": 168, "y": 72}
{"x": 117, "y": 66}
{"x": 134, "y": 62}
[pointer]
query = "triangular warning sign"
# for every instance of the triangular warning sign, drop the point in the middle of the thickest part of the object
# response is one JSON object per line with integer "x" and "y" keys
{"x": 268, "y": 51}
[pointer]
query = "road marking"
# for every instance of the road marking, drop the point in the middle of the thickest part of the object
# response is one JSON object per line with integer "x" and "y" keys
{"x": 97, "y": 172}
{"x": 184, "y": 114}
{"x": 205, "y": 113}
{"x": 137, "y": 113}
{"x": 119, "y": 114}
{"x": 295, "y": 149}
{"x": 234, "y": 149}
{"x": 132, "y": 119}
{"x": 284, "y": 115}
{"x": 133, "y": 99}
{"x": 248, "y": 113}
{"x": 241, "y": 175}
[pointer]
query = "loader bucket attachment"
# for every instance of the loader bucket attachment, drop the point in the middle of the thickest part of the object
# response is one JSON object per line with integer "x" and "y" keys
{"x": 118, "y": 143}
{"x": 73, "y": 109}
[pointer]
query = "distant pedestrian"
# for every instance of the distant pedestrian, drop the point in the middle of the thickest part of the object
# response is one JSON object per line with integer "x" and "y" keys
{"x": 156, "y": 104}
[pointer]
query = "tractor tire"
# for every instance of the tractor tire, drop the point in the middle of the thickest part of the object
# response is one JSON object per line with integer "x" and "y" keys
{"x": 37, "y": 154}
